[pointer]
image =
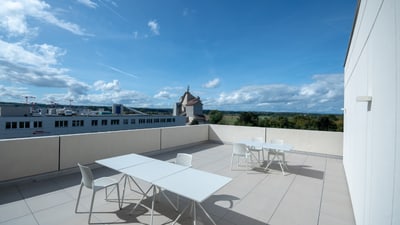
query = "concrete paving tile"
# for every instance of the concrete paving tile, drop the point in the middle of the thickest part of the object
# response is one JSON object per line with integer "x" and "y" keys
{"x": 63, "y": 214}
{"x": 326, "y": 219}
{"x": 13, "y": 210}
{"x": 25, "y": 220}
{"x": 48, "y": 200}
{"x": 12, "y": 204}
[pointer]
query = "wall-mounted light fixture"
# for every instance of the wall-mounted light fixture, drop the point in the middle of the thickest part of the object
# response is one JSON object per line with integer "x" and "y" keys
{"x": 364, "y": 99}
{"x": 367, "y": 99}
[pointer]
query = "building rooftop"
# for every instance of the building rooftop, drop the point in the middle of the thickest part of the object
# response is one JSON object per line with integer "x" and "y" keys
{"x": 313, "y": 192}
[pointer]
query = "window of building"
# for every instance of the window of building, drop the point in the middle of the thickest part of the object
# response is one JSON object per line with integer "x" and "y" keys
{"x": 77, "y": 123}
{"x": 168, "y": 120}
{"x": 8, "y": 125}
{"x": 61, "y": 123}
{"x": 37, "y": 124}
{"x": 142, "y": 121}
{"x": 162, "y": 120}
{"x": 24, "y": 124}
{"x": 156, "y": 120}
{"x": 114, "y": 122}
{"x": 133, "y": 121}
{"x": 149, "y": 121}
{"x": 94, "y": 122}
{"x": 104, "y": 122}
{"x": 125, "y": 121}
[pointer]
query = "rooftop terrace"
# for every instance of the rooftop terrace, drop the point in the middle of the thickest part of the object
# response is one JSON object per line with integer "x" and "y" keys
{"x": 314, "y": 192}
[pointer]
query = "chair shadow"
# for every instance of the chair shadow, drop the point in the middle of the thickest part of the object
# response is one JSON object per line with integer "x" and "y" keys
{"x": 302, "y": 170}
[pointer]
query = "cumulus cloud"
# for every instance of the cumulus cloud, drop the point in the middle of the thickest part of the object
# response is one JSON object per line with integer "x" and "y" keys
{"x": 12, "y": 93}
{"x": 324, "y": 94}
{"x": 36, "y": 65}
{"x": 212, "y": 83}
{"x": 154, "y": 27}
{"x": 88, "y": 3}
{"x": 164, "y": 95}
{"x": 14, "y": 17}
{"x": 104, "y": 86}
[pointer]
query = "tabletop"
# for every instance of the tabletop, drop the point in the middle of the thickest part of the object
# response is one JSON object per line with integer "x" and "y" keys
{"x": 194, "y": 184}
{"x": 154, "y": 170}
{"x": 267, "y": 145}
{"x": 124, "y": 161}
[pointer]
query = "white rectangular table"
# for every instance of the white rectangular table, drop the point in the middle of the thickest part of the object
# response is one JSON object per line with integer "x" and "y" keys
{"x": 195, "y": 185}
{"x": 124, "y": 161}
{"x": 184, "y": 181}
{"x": 261, "y": 146}
{"x": 151, "y": 172}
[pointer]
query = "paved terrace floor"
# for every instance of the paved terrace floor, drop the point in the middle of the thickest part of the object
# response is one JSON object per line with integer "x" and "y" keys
{"x": 314, "y": 192}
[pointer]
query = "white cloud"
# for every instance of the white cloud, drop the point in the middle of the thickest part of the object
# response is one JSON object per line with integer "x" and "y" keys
{"x": 88, "y": 3}
{"x": 11, "y": 93}
{"x": 164, "y": 95}
{"x": 103, "y": 86}
{"x": 324, "y": 94}
{"x": 14, "y": 17}
{"x": 154, "y": 27}
{"x": 36, "y": 65}
{"x": 212, "y": 83}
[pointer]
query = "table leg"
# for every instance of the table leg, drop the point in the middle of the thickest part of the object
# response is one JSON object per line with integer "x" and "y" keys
{"x": 137, "y": 185}
{"x": 205, "y": 212}
{"x": 179, "y": 216}
{"x": 152, "y": 205}
{"x": 194, "y": 213}
{"x": 138, "y": 203}
{"x": 169, "y": 200}
{"x": 269, "y": 163}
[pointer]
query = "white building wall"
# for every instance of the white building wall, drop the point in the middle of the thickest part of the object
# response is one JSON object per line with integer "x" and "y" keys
{"x": 371, "y": 134}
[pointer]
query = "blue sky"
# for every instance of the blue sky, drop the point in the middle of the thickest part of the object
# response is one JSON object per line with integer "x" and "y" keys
{"x": 257, "y": 55}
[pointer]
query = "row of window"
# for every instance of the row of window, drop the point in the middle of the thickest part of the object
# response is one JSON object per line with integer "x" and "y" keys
{"x": 81, "y": 123}
{"x": 24, "y": 124}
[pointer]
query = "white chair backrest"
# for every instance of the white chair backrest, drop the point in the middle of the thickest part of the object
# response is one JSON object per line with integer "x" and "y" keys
{"x": 239, "y": 149}
{"x": 87, "y": 176}
{"x": 183, "y": 159}
{"x": 277, "y": 141}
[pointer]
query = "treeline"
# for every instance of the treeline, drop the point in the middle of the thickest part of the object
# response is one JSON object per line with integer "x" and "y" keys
{"x": 323, "y": 122}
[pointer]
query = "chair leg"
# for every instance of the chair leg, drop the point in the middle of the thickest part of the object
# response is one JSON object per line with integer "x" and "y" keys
{"x": 91, "y": 206}
{"x": 79, "y": 197}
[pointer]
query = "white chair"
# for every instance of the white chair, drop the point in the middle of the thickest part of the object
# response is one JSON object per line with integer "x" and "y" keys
{"x": 240, "y": 150}
{"x": 184, "y": 159}
{"x": 94, "y": 185}
{"x": 259, "y": 148}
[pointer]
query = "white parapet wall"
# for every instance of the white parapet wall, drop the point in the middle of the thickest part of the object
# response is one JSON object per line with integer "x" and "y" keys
{"x": 173, "y": 137}
{"x": 86, "y": 148}
{"x": 28, "y": 156}
{"x": 320, "y": 142}
{"x": 231, "y": 134}
{"x": 34, "y": 156}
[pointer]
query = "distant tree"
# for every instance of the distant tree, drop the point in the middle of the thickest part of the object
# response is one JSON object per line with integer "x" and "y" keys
{"x": 247, "y": 119}
{"x": 215, "y": 116}
{"x": 194, "y": 122}
{"x": 326, "y": 123}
